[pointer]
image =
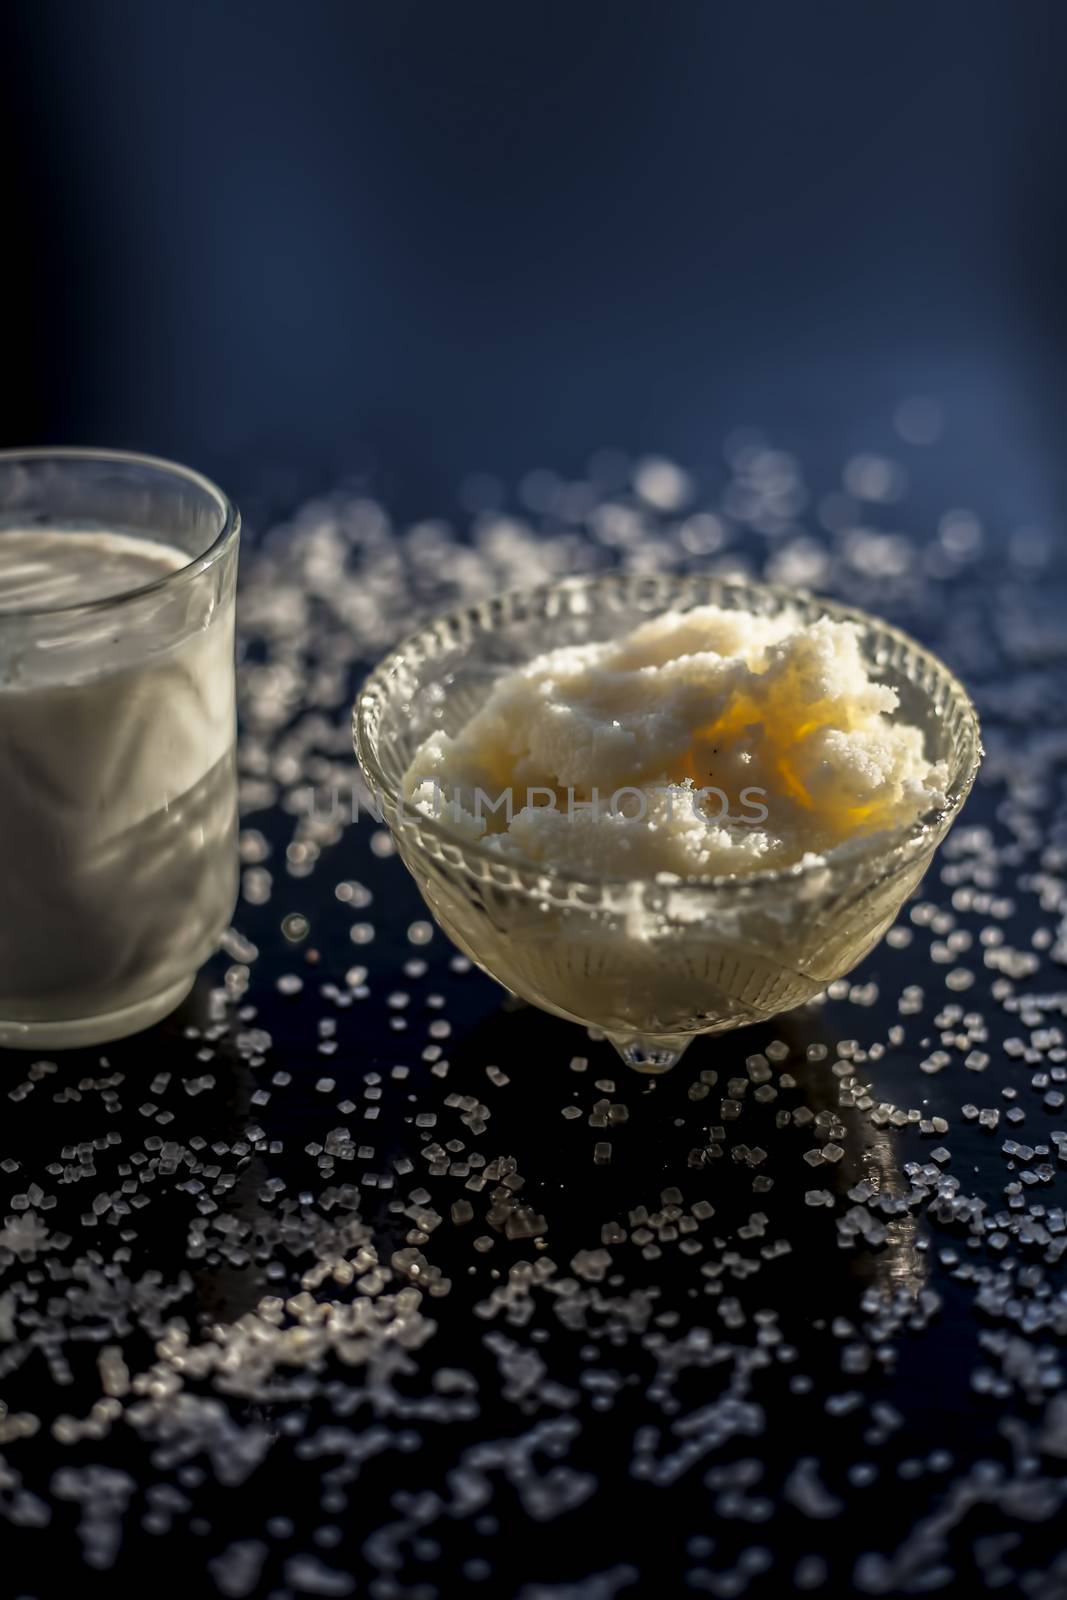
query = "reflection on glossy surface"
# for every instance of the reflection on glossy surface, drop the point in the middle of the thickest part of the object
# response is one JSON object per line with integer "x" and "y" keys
{"x": 387, "y": 1285}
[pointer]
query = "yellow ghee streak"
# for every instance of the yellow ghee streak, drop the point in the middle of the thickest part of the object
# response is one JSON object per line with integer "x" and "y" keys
{"x": 799, "y": 717}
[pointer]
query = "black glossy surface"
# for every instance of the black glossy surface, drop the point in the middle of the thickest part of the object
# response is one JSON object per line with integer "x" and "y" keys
{"x": 884, "y": 1416}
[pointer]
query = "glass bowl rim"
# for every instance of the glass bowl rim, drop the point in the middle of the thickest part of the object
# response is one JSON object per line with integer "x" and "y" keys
{"x": 228, "y": 532}
{"x": 848, "y": 852}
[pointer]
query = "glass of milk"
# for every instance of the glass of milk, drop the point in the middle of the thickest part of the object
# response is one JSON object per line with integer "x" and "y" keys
{"x": 118, "y": 795}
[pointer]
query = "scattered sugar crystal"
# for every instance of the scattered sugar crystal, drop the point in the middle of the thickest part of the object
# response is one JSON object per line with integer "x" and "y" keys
{"x": 331, "y": 596}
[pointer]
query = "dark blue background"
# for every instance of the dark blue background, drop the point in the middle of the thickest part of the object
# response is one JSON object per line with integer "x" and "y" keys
{"x": 287, "y": 241}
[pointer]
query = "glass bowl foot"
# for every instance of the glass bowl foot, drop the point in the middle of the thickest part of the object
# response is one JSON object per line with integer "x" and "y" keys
{"x": 653, "y": 1055}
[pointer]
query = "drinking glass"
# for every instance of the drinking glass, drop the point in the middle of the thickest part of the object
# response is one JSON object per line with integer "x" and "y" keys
{"x": 118, "y": 794}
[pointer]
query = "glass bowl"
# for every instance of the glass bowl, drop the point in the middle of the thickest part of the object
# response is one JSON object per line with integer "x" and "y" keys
{"x": 650, "y": 964}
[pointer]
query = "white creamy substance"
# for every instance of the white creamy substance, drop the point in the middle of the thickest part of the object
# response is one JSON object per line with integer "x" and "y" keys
{"x": 117, "y": 797}
{"x": 684, "y": 731}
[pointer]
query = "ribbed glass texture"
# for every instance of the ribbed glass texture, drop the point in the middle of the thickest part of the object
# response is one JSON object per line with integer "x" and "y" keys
{"x": 650, "y": 964}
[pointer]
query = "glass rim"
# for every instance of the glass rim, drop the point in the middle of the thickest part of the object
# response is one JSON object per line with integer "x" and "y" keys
{"x": 907, "y": 837}
{"x": 208, "y": 557}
